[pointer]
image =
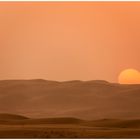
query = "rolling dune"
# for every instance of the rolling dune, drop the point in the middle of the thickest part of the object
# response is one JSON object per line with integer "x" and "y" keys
{"x": 16, "y": 126}
{"x": 95, "y": 99}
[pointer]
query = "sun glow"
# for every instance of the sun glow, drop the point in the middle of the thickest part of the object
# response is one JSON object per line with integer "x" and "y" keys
{"x": 129, "y": 76}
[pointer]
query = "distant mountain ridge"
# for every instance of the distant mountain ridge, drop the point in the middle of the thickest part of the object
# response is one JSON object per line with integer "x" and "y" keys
{"x": 95, "y": 99}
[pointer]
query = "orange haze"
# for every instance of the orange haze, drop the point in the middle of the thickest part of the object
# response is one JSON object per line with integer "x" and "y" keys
{"x": 68, "y": 40}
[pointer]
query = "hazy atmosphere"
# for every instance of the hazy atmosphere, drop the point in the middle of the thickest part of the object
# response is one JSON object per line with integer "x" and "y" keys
{"x": 69, "y": 40}
{"x": 69, "y": 70}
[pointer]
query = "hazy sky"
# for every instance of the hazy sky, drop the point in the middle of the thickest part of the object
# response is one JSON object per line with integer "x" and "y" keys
{"x": 68, "y": 40}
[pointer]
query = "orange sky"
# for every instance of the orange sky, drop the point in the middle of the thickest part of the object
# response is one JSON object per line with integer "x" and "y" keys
{"x": 68, "y": 40}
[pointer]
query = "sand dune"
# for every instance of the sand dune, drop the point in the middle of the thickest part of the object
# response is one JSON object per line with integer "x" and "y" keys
{"x": 12, "y": 117}
{"x": 16, "y": 126}
{"x": 94, "y": 99}
{"x": 107, "y": 123}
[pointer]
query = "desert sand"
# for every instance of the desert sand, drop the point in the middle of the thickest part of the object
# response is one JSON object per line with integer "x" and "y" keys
{"x": 81, "y": 99}
{"x": 16, "y": 126}
{"x": 71, "y": 109}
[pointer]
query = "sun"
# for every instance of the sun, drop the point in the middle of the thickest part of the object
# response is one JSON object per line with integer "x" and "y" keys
{"x": 129, "y": 76}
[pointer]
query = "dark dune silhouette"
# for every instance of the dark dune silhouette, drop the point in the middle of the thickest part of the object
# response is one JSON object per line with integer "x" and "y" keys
{"x": 12, "y": 117}
{"x": 96, "y": 99}
{"x": 16, "y": 126}
{"x": 109, "y": 123}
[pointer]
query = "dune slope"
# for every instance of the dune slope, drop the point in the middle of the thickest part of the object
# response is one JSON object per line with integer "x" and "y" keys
{"x": 81, "y": 99}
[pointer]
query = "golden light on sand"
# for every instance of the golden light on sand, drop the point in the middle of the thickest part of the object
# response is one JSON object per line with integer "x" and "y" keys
{"x": 129, "y": 76}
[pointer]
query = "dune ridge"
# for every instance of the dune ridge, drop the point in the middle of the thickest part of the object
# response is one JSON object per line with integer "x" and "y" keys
{"x": 13, "y": 119}
{"x": 95, "y": 99}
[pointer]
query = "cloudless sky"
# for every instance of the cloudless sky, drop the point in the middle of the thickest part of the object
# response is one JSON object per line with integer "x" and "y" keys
{"x": 68, "y": 40}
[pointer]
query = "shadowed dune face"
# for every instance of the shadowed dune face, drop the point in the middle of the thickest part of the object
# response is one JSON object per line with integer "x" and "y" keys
{"x": 67, "y": 122}
{"x": 82, "y": 99}
{"x": 12, "y": 117}
{"x": 16, "y": 126}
